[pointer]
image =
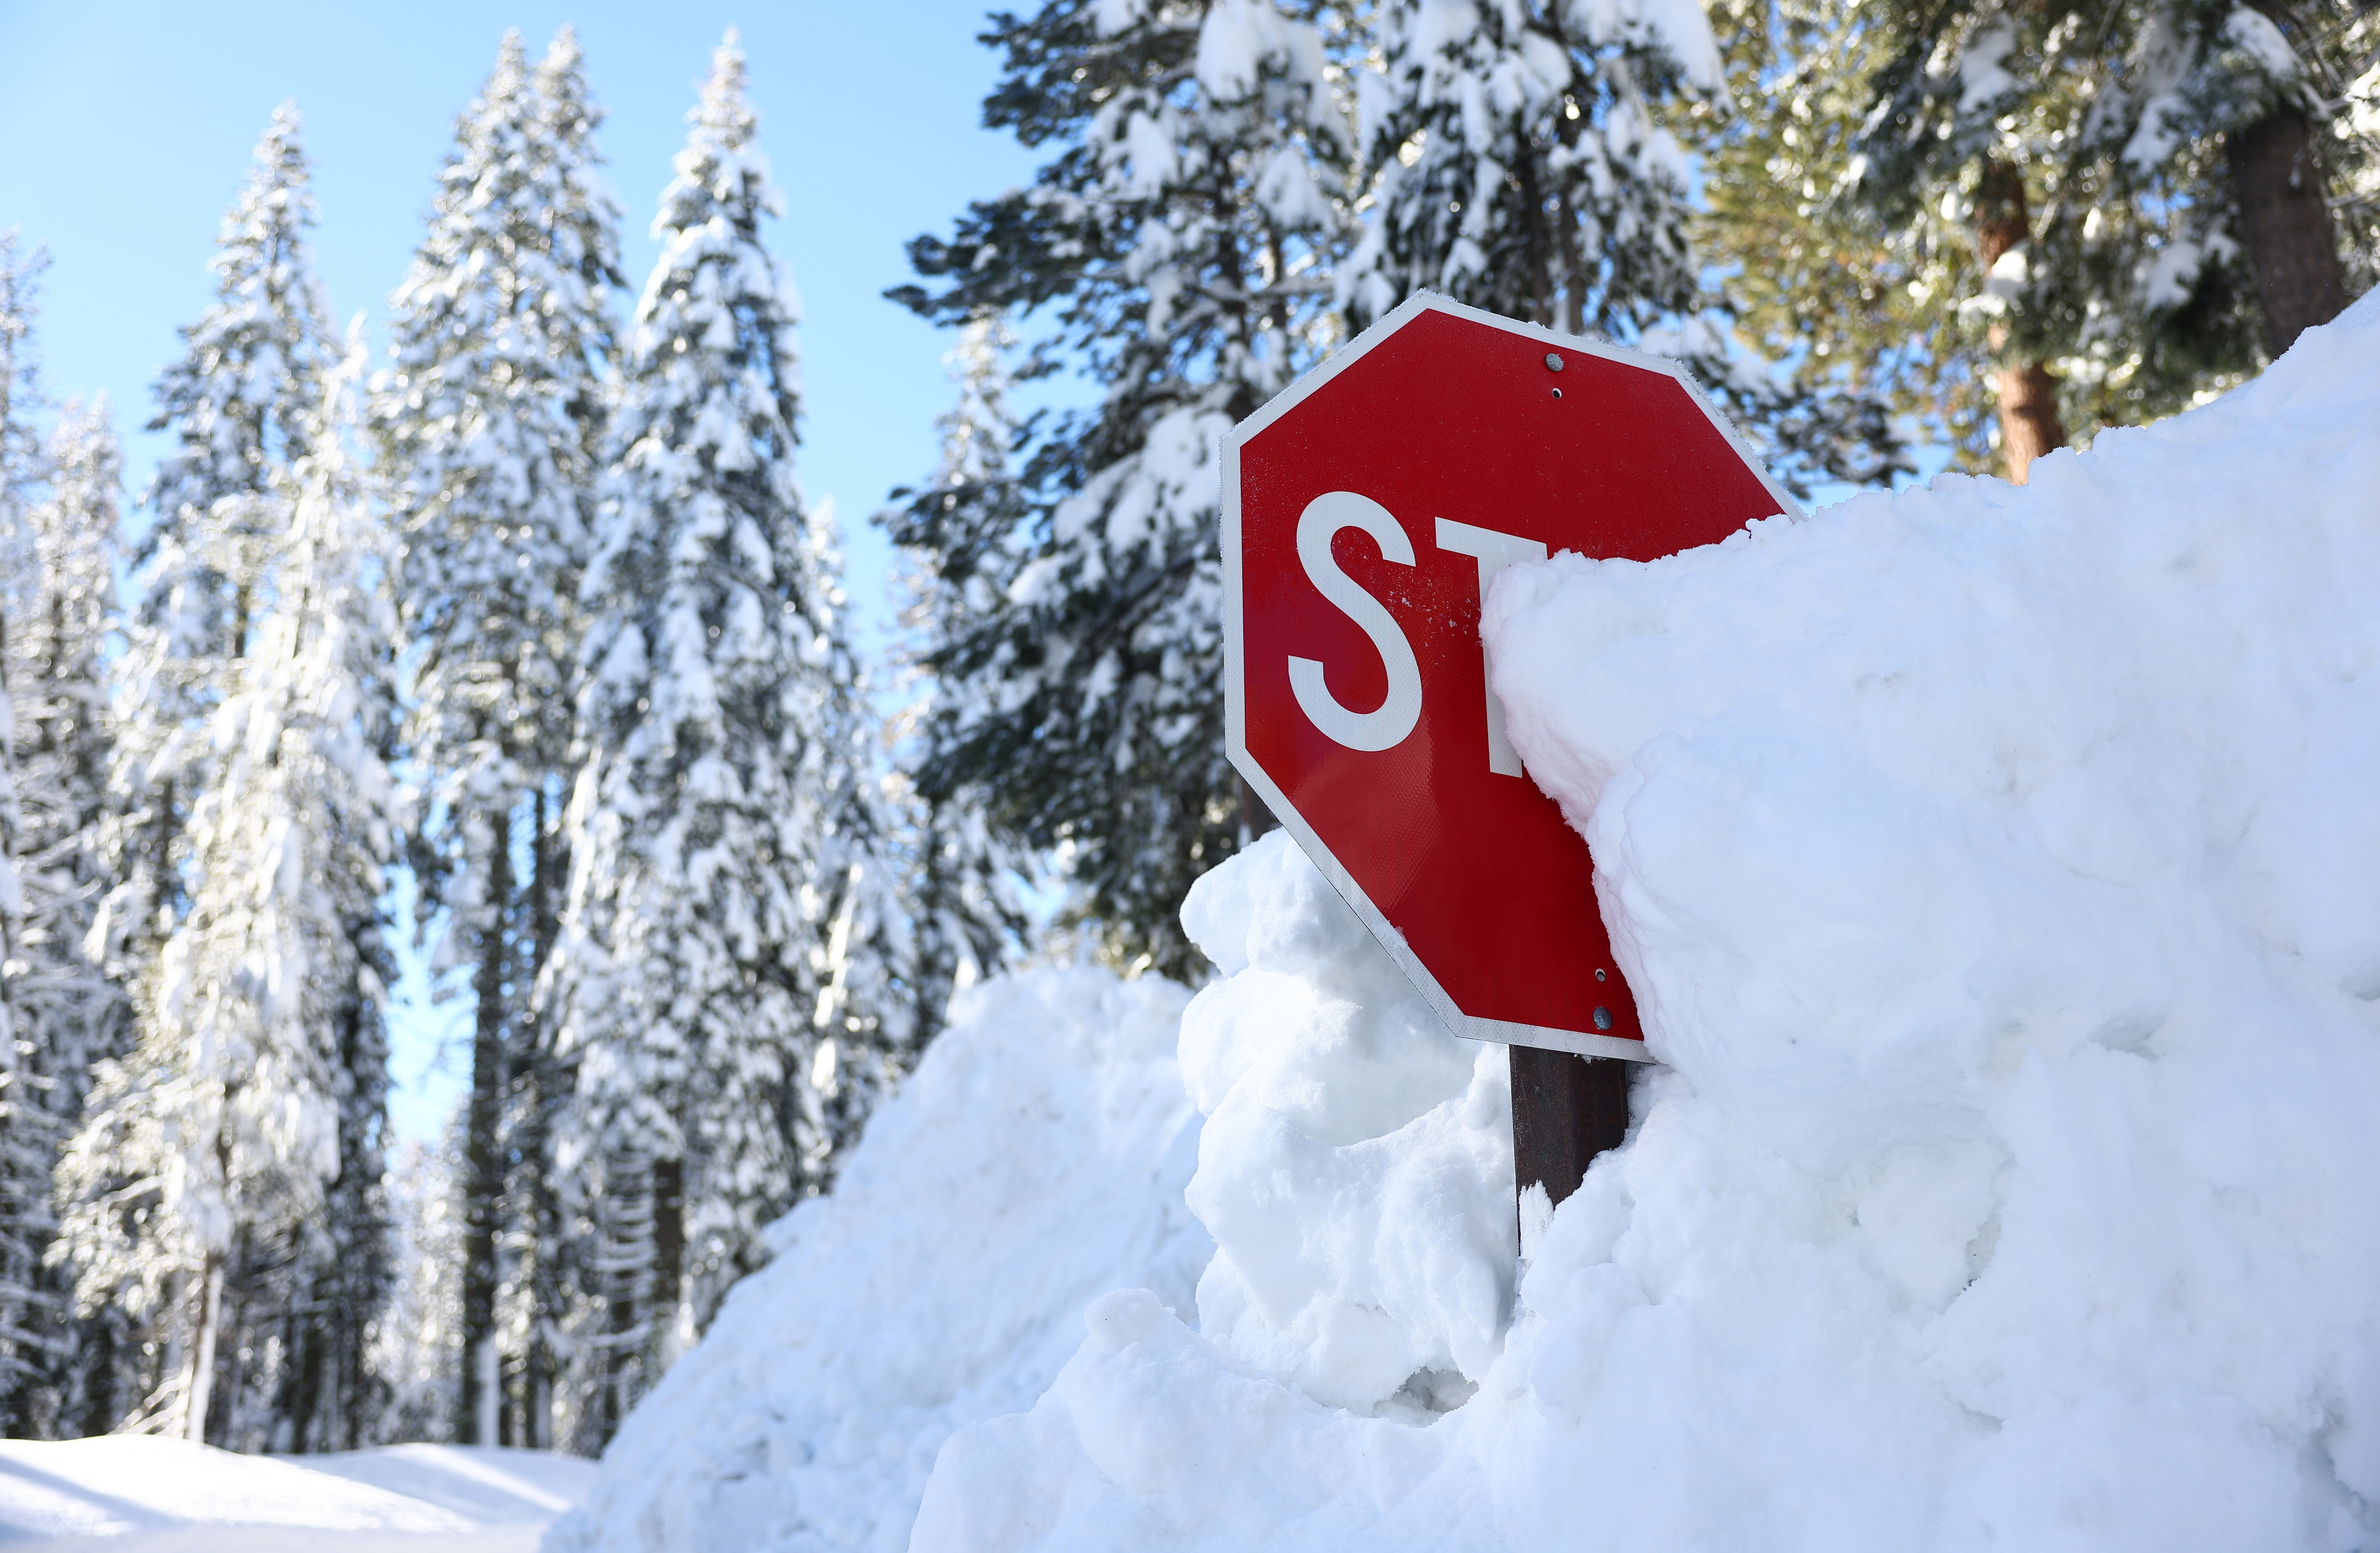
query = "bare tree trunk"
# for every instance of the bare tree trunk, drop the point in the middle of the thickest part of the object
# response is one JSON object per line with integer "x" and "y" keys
{"x": 669, "y": 1262}
{"x": 2285, "y": 230}
{"x": 2028, "y": 394}
{"x": 482, "y": 1158}
{"x": 2029, "y": 423}
{"x": 540, "y": 1366}
{"x": 200, "y": 1392}
{"x": 627, "y": 1267}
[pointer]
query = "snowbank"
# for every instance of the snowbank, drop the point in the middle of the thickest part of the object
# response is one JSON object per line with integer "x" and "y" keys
{"x": 138, "y": 1494}
{"x": 1998, "y": 872}
{"x": 1035, "y": 1161}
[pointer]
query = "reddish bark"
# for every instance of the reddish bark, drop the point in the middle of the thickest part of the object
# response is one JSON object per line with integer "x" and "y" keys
{"x": 2028, "y": 394}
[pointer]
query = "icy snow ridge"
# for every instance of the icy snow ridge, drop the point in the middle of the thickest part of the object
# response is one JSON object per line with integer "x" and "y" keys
{"x": 1034, "y": 1162}
{"x": 1998, "y": 871}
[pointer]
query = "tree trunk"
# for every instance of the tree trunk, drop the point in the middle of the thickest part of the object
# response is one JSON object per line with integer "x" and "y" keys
{"x": 669, "y": 1262}
{"x": 358, "y": 1284}
{"x": 309, "y": 1427}
{"x": 2029, "y": 423}
{"x": 2285, "y": 231}
{"x": 95, "y": 1353}
{"x": 2028, "y": 394}
{"x": 626, "y": 1266}
{"x": 199, "y": 1391}
{"x": 483, "y": 1188}
{"x": 540, "y": 1366}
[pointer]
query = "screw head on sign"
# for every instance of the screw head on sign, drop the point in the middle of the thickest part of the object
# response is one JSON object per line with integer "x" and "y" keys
{"x": 1553, "y": 362}
{"x": 1603, "y": 1019}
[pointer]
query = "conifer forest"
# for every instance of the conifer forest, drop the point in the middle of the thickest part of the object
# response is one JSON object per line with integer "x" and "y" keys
{"x": 518, "y": 600}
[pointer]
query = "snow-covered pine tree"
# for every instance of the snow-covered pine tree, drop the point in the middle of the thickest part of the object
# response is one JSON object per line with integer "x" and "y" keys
{"x": 1523, "y": 164}
{"x": 21, "y": 1232}
{"x": 21, "y": 446}
{"x": 66, "y": 1014}
{"x": 237, "y": 405}
{"x": 959, "y": 534}
{"x": 1180, "y": 235}
{"x": 27, "y": 1139}
{"x": 711, "y": 859}
{"x": 865, "y": 1018}
{"x": 330, "y": 657}
{"x": 489, "y": 422}
{"x": 223, "y": 1188}
{"x": 1523, "y": 159}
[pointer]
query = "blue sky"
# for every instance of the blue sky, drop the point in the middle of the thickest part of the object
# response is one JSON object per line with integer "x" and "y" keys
{"x": 125, "y": 130}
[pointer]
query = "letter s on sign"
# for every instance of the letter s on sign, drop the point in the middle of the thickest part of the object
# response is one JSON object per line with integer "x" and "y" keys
{"x": 1387, "y": 725}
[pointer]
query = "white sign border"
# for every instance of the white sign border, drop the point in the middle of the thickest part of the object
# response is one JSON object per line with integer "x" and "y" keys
{"x": 1469, "y": 1027}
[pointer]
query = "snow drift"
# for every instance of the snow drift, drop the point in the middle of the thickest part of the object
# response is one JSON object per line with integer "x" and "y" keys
{"x": 1998, "y": 872}
{"x": 1035, "y": 1161}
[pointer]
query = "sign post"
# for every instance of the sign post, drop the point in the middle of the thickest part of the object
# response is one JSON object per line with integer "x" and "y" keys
{"x": 1364, "y": 510}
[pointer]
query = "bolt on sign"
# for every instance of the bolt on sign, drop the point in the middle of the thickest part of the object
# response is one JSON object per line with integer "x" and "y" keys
{"x": 1364, "y": 510}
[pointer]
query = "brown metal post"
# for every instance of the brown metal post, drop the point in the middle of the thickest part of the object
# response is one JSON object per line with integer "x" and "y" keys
{"x": 1566, "y": 1110}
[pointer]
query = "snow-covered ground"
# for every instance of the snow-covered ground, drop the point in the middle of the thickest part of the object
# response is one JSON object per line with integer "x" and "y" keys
{"x": 135, "y": 1494}
{"x": 2000, "y": 873}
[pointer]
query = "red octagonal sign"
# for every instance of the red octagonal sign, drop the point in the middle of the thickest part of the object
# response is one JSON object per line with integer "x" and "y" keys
{"x": 1364, "y": 509}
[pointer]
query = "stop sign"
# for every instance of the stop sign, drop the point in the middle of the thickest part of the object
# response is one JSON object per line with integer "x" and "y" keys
{"x": 1364, "y": 509}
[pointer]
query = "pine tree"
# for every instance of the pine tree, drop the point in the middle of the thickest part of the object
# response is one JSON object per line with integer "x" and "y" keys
{"x": 489, "y": 424}
{"x": 330, "y": 659}
{"x": 864, "y": 1021}
{"x": 20, "y": 448}
{"x": 237, "y": 404}
{"x": 959, "y": 534}
{"x": 224, "y": 1188}
{"x": 221, "y": 1189}
{"x": 1180, "y": 235}
{"x": 66, "y": 1014}
{"x": 1523, "y": 163}
{"x": 27, "y": 1142}
{"x": 711, "y": 824}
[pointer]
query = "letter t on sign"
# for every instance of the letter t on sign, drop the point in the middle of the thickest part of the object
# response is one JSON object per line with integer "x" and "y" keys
{"x": 1495, "y": 551}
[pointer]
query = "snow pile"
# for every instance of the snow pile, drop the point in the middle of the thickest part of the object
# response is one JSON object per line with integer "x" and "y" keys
{"x": 1998, "y": 871}
{"x": 1356, "y": 1166}
{"x": 1035, "y": 1161}
{"x": 139, "y": 1494}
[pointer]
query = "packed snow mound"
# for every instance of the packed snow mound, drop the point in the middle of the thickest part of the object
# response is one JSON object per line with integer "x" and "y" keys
{"x": 1356, "y": 1165}
{"x": 139, "y": 1494}
{"x": 1998, "y": 872}
{"x": 1034, "y": 1162}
